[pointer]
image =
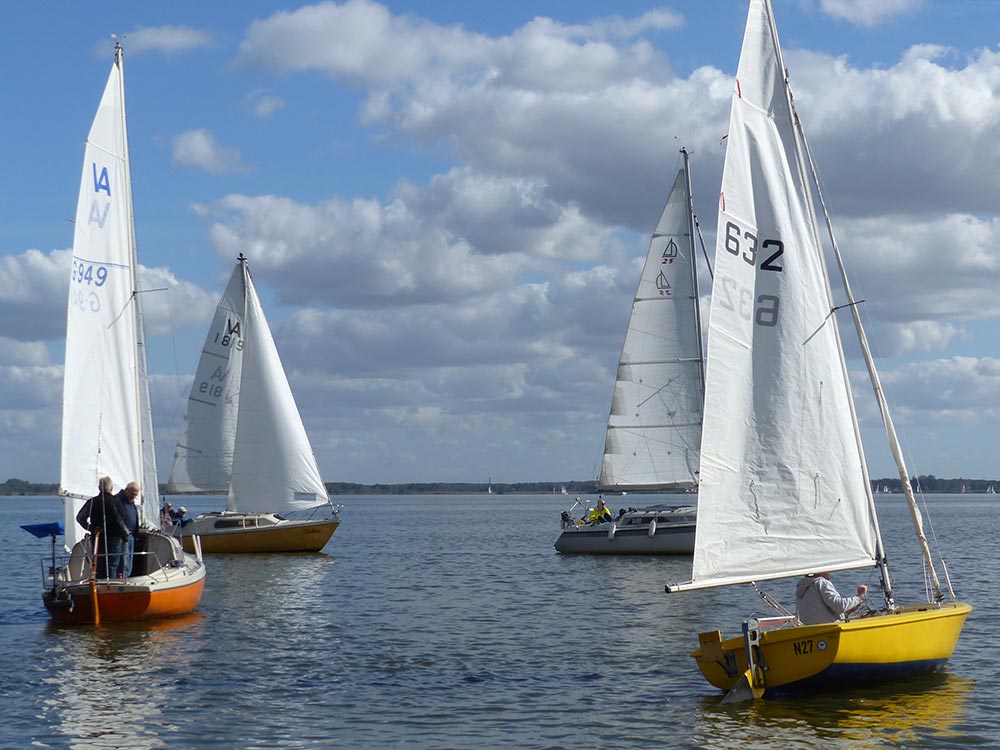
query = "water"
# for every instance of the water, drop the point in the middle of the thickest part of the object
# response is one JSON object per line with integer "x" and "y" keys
{"x": 451, "y": 622}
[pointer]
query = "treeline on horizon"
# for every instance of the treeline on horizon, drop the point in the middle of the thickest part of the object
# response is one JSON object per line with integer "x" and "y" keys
{"x": 928, "y": 484}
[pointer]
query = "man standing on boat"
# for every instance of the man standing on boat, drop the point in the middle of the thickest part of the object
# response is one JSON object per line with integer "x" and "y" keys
{"x": 130, "y": 514}
{"x": 100, "y": 515}
{"x": 817, "y": 600}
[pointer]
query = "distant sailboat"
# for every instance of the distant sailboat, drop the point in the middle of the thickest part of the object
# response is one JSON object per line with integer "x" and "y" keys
{"x": 654, "y": 426}
{"x": 243, "y": 435}
{"x": 784, "y": 488}
{"x": 990, "y": 490}
{"x": 107, "y": 423}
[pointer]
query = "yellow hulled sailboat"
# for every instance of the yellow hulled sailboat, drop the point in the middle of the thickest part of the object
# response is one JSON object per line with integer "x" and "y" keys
{"x": 243, "y": 435}
{"x": 784, "y": 485}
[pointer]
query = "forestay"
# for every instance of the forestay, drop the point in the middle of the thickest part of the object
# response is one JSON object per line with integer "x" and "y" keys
{"x": 783, "y": 482}
{"x": 654, "y": 428}
{"x": 203, "y": 460}
{"x": 274, "y": 469}
{"x": 101, "y": 415}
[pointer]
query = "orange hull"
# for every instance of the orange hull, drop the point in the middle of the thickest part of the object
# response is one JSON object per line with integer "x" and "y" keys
{"x": 125, "y": 602}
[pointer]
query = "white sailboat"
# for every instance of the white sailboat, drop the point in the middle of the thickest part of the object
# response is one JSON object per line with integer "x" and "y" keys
{"x": 107, "y": 425}
{"x": 784, "y": 485}
{"x": 990, "y": 490}
{"x": 654, "y": 426}
{"x": 243, "y": 435}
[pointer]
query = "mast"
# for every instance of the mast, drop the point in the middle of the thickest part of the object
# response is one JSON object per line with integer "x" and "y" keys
{"x": 883, "y": 405}
{"x": 694, "y": 273}
{"x": 148, "y": 508}
{"x": 802, "y": 155}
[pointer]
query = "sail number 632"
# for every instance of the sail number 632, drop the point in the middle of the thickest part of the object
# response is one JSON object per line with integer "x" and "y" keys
{"x": 743, "y": 244}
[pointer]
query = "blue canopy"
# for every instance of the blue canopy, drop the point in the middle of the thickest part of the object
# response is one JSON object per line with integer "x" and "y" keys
{"x": 42, "y": 530}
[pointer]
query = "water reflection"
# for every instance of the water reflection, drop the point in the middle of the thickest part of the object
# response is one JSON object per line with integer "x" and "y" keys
{"x": 112, "y": 687}
{"x": 931, "y": 712}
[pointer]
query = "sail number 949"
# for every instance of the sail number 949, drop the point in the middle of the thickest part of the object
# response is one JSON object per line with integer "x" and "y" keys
{"x": 743, "y": 244}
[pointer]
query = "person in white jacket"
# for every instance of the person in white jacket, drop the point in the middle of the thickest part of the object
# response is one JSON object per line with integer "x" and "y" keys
{"x": 817, "y": 600}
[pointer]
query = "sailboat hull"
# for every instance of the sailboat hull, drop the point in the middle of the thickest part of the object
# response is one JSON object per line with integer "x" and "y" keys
{"x": 165, "y": 594}
{"x": 653, "y": 530}
{"x": 912, "y": 640}
{"x": 237, "y": 533}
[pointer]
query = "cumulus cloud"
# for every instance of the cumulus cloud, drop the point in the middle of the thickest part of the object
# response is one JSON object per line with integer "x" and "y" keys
{"x": 168, "y": 39}
{"x": 964, "y": 389}
{"x": 464, "y": 235}
{"x": 868, "y": 12}
{"x": 264, "y": 104}
{"x": 34, "y": 287}
{"x": 199, "y": 149}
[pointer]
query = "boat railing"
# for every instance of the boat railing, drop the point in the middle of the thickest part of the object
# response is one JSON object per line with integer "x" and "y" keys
{"x": 73, "y": 568}
{"x": 778, "y": 621}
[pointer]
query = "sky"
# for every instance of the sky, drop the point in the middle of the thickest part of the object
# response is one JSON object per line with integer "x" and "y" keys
{"x": 445, "y": 206}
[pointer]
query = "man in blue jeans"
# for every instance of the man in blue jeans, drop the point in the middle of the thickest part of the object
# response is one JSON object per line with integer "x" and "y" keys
{"x": 130, "y": 514}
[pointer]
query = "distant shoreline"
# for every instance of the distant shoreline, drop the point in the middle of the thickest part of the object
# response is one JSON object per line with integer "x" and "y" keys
{"x": 927, "y": 484}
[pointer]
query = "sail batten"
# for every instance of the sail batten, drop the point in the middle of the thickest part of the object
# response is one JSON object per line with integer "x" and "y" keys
{"x": 654, "y": 424}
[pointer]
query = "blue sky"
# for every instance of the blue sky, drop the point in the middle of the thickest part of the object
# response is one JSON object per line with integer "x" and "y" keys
{"x": 445, "y": 205}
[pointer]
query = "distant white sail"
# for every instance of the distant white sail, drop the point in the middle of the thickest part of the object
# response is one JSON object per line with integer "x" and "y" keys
{"x": 203, "y": 460}
{"x": 654, "y": 428}
{"x": 784, "y": 487}
{"x": 102, "y": 430}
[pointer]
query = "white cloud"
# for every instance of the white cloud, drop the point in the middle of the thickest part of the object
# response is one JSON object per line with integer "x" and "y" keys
{"x": 264, "y": 104}
{"x": 963, "y": 389}
{"x": 464, "y": 235}
{"x": 34, "y": 287}
{"x": 199, "y": 149}
{"x": 869, "y": 12}
{"x": 169, "y": 39}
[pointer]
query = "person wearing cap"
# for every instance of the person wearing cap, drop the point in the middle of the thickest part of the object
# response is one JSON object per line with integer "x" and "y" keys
{"x": 817, "y": 600}
{"x": 179, "y": 516}
{"x": 130, "y": 514}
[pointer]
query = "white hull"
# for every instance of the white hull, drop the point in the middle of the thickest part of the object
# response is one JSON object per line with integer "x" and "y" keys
{"x": 630, "y": 535}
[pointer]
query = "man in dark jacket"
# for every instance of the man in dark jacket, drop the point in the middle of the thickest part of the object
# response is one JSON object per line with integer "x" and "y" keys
{"x": 101, "y": 514}
{"x": 130, "y": 514}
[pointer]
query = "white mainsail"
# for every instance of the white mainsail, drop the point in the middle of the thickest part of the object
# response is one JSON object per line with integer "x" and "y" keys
{"x": 102, "y": 430}
{"x": 654, "y": 428}
{"x": 784, "y": 486}
{"x": 203, "y": 460}
{"x": 243, "y": 430}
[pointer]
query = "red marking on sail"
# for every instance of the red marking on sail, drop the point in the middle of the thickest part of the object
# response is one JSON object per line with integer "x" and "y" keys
{"x": 722, "y": 197}
{"x": 738, "y": 92}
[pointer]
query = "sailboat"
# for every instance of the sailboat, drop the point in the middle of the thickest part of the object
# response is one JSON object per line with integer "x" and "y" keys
{"x": 784, "y": 488}
{"x": 243, "y": 435}
{"x": 654, "y": 426}
{"x": 107, "y": 426}
{"x": 990, "y": 490}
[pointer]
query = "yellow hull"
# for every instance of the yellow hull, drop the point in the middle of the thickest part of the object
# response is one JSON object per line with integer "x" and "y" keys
{"x": 288, "y": 536}
{"x": 912, "y": 640}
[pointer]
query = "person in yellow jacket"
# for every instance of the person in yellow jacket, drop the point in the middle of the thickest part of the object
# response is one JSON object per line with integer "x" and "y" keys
{"x": 600, "y": 514}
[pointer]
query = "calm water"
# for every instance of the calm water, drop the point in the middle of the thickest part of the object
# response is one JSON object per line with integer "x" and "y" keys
{"x": 451, "y": 622}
